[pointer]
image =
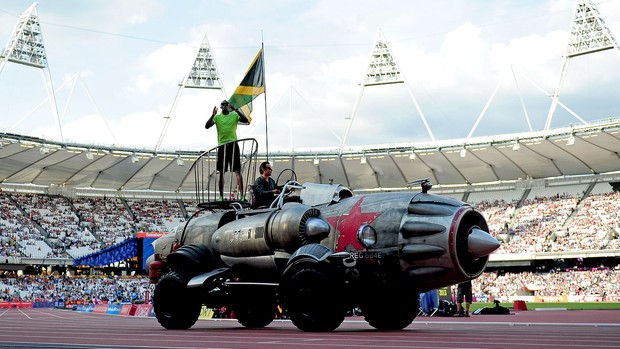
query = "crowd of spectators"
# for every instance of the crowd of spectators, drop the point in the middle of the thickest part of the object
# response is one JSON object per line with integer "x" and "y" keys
{"x": 603, "y": 282}
{"x": 60, "y": 224}
{"x": 75, "y": 290}
{"x": 156, "y": 215}
{"x": 18, "y": 233}
{"x": 48, "y": 226}
{"x": 555, "y": 223}
{"x": 108, "y": 218}
{"x": 595, "y": 225}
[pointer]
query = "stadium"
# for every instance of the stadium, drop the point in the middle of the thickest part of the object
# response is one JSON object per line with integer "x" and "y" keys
{"x": 552, "y": 197}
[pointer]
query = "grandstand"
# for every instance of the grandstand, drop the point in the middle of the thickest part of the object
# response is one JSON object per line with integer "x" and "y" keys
{"x": 552, "y": 197}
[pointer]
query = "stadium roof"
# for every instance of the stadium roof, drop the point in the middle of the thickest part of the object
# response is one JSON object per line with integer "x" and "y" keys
{"x": 580, "y": 150}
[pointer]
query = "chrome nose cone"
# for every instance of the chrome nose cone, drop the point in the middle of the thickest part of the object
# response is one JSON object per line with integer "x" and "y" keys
{"x": 317, "y": 228}
{"x": 481, "y": 244}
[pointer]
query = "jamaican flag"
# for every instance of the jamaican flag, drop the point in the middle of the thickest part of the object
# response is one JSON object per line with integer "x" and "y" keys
{"x": 252, "y": 85}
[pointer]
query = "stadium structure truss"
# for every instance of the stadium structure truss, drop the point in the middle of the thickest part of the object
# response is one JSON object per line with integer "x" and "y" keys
{"x": 26, "y": 47}
{"x": 202, "y": 75}
{"x": 588, "y": 34}
{"x": 586, "y": 152}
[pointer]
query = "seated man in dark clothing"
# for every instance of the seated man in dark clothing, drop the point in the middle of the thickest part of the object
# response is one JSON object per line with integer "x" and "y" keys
{"x": 265, "y": 190}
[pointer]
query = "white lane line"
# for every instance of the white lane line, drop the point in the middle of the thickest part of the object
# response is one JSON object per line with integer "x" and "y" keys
{"x": 26, "y": 315}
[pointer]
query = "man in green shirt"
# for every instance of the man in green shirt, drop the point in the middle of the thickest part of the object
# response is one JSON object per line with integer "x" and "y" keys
{"x": 228, "y": 151}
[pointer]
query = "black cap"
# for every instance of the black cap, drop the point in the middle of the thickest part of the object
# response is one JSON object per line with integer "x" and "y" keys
{"x": 224, "y": 102}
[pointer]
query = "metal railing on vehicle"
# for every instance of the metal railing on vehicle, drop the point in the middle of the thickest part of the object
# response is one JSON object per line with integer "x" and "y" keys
{"x": 206, "y": 175}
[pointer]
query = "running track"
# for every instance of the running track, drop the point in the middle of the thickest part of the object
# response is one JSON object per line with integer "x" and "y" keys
{"x": 53, "y": 329}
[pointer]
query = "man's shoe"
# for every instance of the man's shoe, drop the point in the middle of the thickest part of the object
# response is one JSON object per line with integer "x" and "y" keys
{"x": 466, "y": 314}
{"x": 220, "y": 198}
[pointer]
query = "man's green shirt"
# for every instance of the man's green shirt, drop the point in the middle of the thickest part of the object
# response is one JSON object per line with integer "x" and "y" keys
{"x": 226, "y": 127}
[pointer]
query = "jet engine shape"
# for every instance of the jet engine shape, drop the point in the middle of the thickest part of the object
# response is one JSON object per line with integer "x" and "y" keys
{"x": 319, "y": 256}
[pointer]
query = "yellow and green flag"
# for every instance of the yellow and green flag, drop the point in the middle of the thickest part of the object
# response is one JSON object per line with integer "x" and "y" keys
{"x": 252, "y": 85}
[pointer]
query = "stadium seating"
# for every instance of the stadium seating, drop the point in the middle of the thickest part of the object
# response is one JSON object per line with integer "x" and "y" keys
{"x": 567, "y": 218}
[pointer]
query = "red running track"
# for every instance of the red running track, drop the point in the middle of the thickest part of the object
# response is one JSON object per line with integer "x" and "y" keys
{"x": 50, "y": 329}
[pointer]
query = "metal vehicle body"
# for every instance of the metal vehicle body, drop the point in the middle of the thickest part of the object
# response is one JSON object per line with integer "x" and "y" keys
{"x": 319, "y": 252}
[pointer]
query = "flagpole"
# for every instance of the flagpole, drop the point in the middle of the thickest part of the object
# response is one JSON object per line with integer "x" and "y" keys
{"x": 265, "y": 85}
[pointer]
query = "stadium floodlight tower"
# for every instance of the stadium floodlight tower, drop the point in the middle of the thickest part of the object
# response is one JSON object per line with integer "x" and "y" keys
{"x": 382, "y": 70}
{"x": 202, "y": 75}
{"x": 588, "y": 34}
{"x": 26, "y": 47}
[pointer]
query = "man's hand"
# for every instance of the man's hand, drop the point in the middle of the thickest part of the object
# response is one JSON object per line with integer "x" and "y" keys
{"x": 242, "y": 117}
{"x": 210, "y": 121}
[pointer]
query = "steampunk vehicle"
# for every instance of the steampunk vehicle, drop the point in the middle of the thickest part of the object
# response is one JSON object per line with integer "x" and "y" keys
{"x": 319, "y": 251}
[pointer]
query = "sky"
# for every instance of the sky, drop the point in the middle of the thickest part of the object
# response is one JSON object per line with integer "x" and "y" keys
{"x": 474, "y": 67}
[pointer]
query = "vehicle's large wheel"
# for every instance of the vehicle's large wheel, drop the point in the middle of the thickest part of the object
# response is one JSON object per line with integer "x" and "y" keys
{"x": 256, "y": 315}
{"x": 192, "y": 258}
{"x": 391, "y": 309}
{"x": 176, "y": 308}
{"x": 256, "y": 311}
{"x": 312, "y": 296}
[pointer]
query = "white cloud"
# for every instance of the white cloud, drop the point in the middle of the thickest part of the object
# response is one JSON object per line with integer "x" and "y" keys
{"x": 535, "y": 56}
{"x": 464, "y": 50}
{"x": 133, "y": 54}
{"x": 133, "y": 12}
{"x": 167, "y": 65}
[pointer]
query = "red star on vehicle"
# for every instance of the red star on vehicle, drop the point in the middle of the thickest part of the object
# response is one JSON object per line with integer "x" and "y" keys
{"x": 348, "y": 224}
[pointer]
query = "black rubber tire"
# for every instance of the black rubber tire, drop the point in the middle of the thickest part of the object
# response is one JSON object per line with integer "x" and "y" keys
{"x": 176, "y": 308}
{"x": 391, "y": 309}
{"x": 311, "y": 295}
{"x": 256, "y": 315}
{"x": 193, "y": 258}
{"x": 256, "y": 311}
